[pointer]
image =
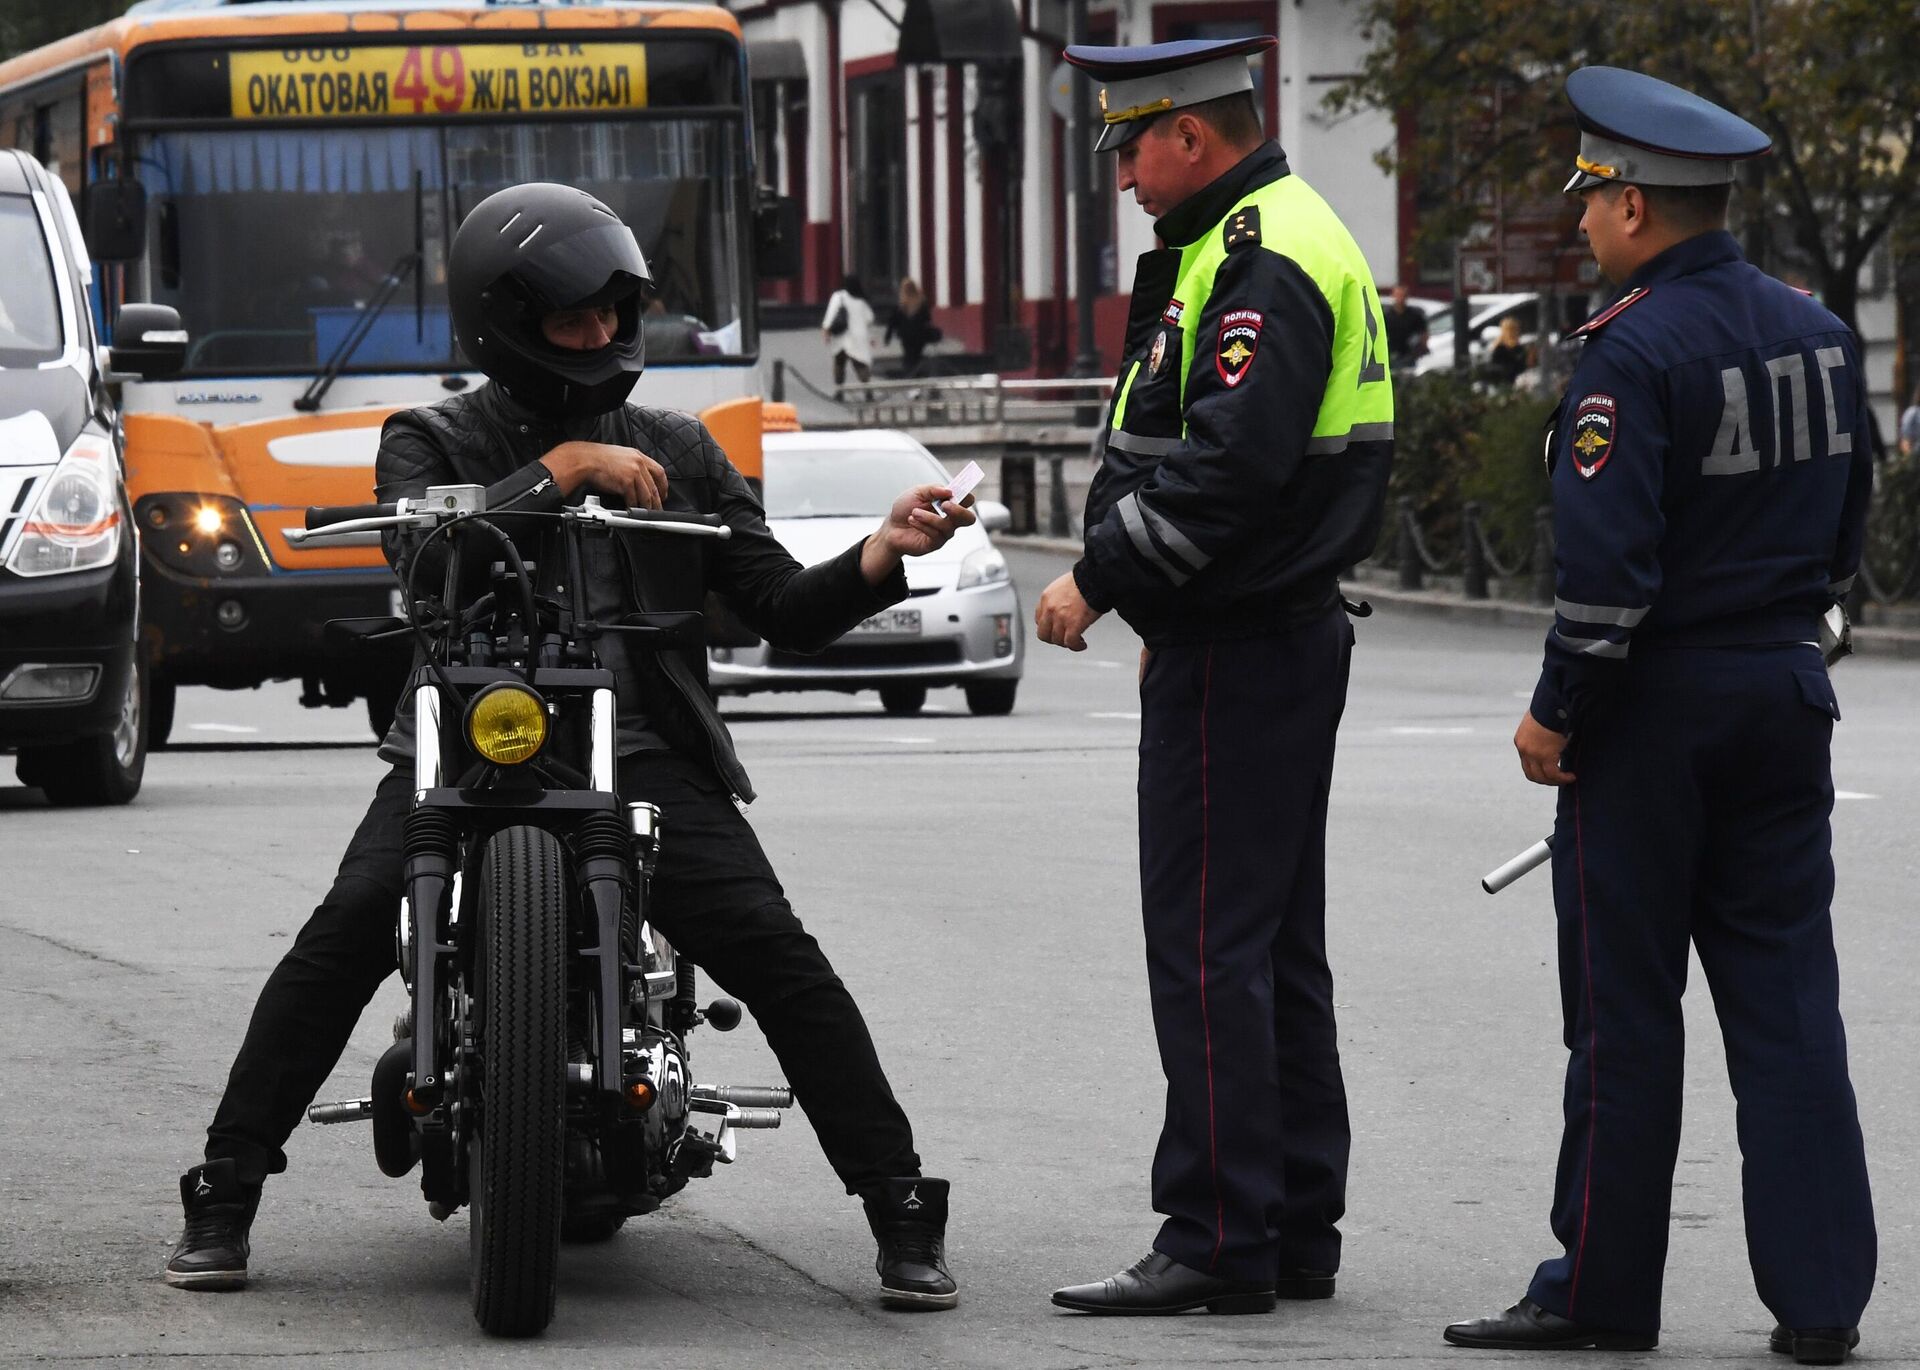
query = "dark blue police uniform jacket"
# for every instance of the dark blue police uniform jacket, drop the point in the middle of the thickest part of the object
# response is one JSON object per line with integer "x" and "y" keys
{"x": 1711, "y": 466}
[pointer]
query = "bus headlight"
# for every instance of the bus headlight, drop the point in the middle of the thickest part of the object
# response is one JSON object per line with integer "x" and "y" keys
{"x": 507, "y": 724}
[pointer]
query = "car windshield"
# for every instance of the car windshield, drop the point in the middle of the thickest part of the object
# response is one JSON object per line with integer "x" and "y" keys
{"x": 271, "y": 242}
{"x": 29, "y": 306}
{"x": 843, "y": 484}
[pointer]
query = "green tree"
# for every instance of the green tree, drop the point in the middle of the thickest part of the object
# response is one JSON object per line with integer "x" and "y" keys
{"x": 26, "y": 24}
{"x": 1832, "y": 82}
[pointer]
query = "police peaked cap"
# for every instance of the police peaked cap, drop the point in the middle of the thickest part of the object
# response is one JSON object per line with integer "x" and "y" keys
{"x": 1635, "y": 128}
{"x": 1141, "y": 83}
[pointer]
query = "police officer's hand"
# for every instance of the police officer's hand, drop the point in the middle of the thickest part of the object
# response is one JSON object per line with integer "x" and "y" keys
{"x": 1063, "y": 615}
{"x": 622, "y": 472}
{"x": 913, "y": 528}
{"x": 1540, "y": 749}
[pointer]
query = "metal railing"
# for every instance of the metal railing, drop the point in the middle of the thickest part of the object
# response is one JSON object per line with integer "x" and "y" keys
{"x": 1062, "y": 410}
{"x": 1476, "y": 560}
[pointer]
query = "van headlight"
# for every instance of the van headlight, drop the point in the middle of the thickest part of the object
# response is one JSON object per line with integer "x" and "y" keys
{"x": 982, "y": 567}
{"x": 75, "y": 523}
{"x": 507, "y": 723}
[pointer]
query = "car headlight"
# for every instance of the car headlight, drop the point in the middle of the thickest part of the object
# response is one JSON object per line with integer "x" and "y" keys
{"x": 507, "y": 724}
{"x": 75, "y": 523}
{"x": 982, "y": 567}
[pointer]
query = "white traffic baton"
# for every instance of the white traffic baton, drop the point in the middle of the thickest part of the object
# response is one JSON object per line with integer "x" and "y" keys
{"x": 1501, "y": 876}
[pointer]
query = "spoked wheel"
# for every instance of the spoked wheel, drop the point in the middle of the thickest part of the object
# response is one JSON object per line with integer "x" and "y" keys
{"x": 517, "y": 1161}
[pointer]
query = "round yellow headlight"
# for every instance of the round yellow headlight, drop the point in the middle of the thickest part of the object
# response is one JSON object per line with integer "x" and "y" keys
{"x": 507, "y": 724}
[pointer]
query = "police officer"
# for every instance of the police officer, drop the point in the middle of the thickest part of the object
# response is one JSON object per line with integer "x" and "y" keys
{"x": 1244, "y": 465}
{"x": 1711, "y": 464}
{"x": 552, "y": 313}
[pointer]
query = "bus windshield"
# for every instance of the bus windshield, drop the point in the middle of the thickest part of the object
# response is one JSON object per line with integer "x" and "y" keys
{"x": 271, "y": 242}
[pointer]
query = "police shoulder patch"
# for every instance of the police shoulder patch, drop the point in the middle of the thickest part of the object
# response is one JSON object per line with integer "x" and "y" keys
{"x": 1239, "y": 340}
{"x": 1242, "y": 228}
{"x": 1595, "y": 420}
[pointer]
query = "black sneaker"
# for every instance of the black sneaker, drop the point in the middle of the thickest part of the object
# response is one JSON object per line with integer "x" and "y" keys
{"x": 212, "y": 1252}
{"x": 909, "y": 1221}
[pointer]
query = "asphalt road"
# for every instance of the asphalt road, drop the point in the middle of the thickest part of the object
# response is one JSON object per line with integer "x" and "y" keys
{"x": 974, "y": 881}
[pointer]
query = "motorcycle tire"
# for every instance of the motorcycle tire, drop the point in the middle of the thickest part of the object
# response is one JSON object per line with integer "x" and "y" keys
{"x": 517, "y": 1156}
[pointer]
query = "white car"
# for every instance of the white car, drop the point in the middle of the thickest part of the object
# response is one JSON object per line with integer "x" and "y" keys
{"x": 960, "y": 623}
{"x": 1483, "y": 324}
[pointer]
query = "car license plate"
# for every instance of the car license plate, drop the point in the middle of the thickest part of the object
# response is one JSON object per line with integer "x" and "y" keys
{"x": 889, "y": 623}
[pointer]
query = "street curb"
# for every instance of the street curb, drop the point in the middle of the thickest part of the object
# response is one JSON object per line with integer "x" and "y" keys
{"x": 1867, "y": 639}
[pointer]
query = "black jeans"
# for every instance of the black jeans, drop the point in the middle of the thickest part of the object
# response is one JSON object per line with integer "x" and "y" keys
{"x": 714, "y": 895}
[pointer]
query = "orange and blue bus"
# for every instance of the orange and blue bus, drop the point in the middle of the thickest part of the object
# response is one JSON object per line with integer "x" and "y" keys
{"x": 288, "y": 176}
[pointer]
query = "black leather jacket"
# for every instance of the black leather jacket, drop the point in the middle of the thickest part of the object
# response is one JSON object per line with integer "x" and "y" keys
{"x": 486, "y": 438}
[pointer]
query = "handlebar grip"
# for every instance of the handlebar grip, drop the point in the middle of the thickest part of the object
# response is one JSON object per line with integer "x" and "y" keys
{"x": 326, "y": 516}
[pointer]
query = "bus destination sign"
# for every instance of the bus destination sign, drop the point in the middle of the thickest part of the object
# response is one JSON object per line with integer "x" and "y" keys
{"x": 444, "y": 81}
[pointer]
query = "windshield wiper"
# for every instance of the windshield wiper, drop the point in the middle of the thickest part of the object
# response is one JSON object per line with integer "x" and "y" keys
{"x": 408, "y": 263}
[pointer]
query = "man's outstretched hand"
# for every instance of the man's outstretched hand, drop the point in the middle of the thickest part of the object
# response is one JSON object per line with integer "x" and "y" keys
{"x": 913, "y": 528}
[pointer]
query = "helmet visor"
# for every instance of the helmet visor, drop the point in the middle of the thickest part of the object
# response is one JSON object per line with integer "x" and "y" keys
{"x": 581, "y": 268}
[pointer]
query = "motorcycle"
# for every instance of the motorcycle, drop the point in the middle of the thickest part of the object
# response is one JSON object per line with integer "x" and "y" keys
{"x": 541, "y": 1076}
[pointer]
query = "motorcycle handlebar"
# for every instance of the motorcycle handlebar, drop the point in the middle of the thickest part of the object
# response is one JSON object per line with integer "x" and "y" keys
{"x": 325, "y": 516}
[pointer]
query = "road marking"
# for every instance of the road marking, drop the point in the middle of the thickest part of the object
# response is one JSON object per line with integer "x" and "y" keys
{"x": 1853, "y": 794}
{"x": 1131, "y": 718}
{"x": 910, "y": 741}
{"x": 1429, "y": 732}
{"x": 1105, "y": 665}
{"x": 222, "y": 728}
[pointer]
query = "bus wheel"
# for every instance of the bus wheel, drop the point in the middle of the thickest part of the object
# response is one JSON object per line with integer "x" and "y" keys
{"x": 161, "y": 697}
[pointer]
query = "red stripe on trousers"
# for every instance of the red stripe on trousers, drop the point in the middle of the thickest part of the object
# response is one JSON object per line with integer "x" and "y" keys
{"x": 1206, "y": 1023}
{"x": 1593, "y": 1049}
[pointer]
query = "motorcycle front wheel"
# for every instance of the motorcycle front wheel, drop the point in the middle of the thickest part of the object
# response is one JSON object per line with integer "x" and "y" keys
{"x": 517, "y": 1157}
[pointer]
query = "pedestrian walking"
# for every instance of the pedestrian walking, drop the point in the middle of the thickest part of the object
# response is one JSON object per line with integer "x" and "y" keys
{"x": 1244, "y": 465}
{"x": 1508, "y": 356}
{"x": 1711, "y": 462}
{"x": 847, "y": 329}
{"x": 1406, "y": 330}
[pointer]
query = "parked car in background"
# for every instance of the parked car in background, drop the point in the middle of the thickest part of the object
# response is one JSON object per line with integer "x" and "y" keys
{"x": 960, "y": 623}
{"x": 1483, "y": 325}
{"x": 73, "y": 680}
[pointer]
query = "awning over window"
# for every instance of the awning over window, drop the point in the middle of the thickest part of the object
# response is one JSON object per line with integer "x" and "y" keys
{"x": 937, "y": 31}
{"x": 776, "y": 59}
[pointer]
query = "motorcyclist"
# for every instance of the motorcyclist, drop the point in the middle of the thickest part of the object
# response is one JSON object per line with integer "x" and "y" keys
{"x": 546, "y": 288}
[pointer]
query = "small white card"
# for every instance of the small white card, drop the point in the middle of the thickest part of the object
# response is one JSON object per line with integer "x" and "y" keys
{"x": 962, "y": 484}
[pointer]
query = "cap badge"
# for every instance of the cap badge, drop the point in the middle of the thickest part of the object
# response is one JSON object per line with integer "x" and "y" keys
{"x": 1103, "y": 99}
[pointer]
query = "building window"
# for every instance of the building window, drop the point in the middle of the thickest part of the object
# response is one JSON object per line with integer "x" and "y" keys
{"x": 877, "y": 189}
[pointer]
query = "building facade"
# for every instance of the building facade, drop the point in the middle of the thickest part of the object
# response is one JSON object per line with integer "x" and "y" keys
{"x": 928, "y": 139}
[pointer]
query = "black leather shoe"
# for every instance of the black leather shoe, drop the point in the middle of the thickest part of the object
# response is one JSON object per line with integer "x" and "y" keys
{"x": 1814, "y": 1345}
{"x": 1160, "y": 1284}
{"x": 909, "y": 1221}
{"x": 1528, "y": 1327}
{"x": 1298, "y": 1282}
{"x": 212, "y": 1251}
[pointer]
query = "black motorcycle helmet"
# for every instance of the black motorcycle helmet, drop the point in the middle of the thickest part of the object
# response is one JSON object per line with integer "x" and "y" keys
{"x": 525, "y": 252}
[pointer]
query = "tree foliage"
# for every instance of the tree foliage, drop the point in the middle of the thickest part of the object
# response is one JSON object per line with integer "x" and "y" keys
{"x": 1478, "y": 83}
{"x": 26, "y": 24}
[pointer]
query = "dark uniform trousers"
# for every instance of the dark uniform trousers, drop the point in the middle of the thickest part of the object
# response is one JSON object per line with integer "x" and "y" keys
{"x": 1701, "y": 813}
{"x": 1236, "y": 759}
{"x": 713, "y": 894}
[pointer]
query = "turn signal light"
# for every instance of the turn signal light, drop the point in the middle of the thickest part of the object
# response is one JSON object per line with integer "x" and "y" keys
{"x": 640, "y": 1096}
{"x": 507, "y": 724}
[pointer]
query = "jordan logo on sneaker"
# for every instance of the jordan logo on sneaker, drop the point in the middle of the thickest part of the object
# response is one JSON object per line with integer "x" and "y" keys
{"x": 202, "y": 1187}
{"x": 912, "y": 1201}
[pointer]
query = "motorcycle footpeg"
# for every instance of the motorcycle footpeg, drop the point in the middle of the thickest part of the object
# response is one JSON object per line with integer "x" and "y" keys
{"x": 753, "y": 1117}
{"x": 747, "y": 1096}
{"x": 346, "y": 1111}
